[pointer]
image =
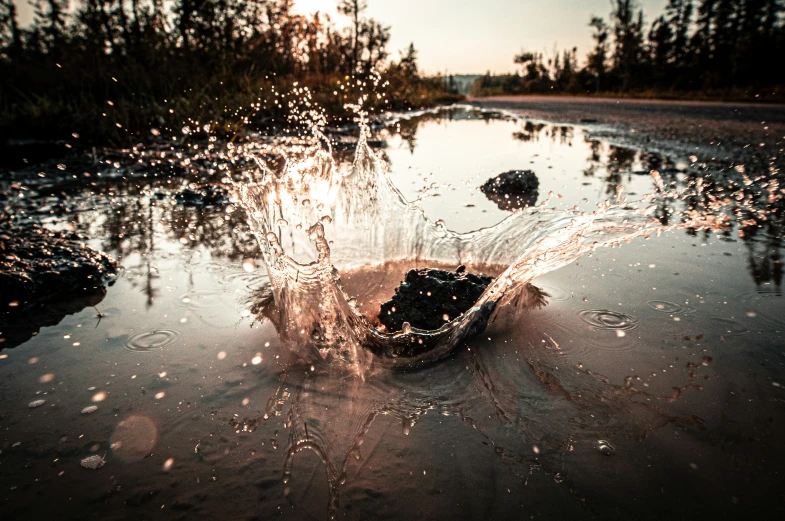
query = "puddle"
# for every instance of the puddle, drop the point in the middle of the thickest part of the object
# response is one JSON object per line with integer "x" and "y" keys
{"x": 649, "y": 386}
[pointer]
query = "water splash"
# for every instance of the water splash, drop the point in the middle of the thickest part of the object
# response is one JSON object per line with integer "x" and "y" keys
{"x": 352, "y": 219}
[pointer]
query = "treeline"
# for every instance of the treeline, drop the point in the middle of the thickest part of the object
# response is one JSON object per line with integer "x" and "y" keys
{"x": 696, "y": 48}
{"x": 111, "y": 70}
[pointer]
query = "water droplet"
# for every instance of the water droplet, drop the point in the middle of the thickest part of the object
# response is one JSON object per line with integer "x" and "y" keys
{"x": 326, "y": 219}
{"x": 282, "y": 222}
{"x": 46, "y": 378}
{"x": 93, "y": 462}
{"x": 36, "y": 403}
{"x": 89, "y": 409}
{"x": 605, "y": 447}
{"x": 316, "y": 232}
{"x": 168, "y": 464}
{"x": 99, "y": 396}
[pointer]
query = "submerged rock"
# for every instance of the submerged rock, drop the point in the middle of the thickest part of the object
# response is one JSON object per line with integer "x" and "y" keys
{"x": 512, "y": 190}
{"x": 429, "y": 298}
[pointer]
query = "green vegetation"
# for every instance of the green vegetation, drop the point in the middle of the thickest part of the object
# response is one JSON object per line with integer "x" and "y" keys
{"x": 115, "y": 70}
{"x": 702, "y": 49}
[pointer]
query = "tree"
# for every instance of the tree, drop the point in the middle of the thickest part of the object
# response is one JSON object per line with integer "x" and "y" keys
{"x": 50, "y": 19}
{"x": 10, "y": 37}
{"x": 597, "y": 59}
{"x": 628, "y": 36}
{"x": 408, "y": 61}
{"x": 661, "y": 49}
{"x": 352, "y": 9}
{"x": 373, "y": 40}
{"x": 679, "y": 13}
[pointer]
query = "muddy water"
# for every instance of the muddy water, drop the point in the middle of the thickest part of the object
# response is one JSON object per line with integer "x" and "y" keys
{"x": 650, "y": 385}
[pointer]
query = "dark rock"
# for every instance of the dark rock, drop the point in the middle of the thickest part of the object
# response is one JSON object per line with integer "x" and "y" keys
{"x": 427, "y": 295}
{"x": 513, "y": 189}
{"x": 41, "y": 272}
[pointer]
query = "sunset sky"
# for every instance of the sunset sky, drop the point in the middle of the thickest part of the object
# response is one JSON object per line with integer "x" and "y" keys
{"x": 469, "y": 36}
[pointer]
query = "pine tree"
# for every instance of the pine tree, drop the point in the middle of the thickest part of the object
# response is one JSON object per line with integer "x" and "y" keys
{"x": 353, "y": 9}
{"x": 628, "y": 38}
{"x": 597, "y": 59}
{"x": 679, "y": 13}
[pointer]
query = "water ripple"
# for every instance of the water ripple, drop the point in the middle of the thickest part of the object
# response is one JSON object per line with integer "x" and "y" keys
{"x": 608, "y": 320}
{"x": 556, "y": 294}
{"x": 149, "y": 340}
{"x": 200, "y": 299}
{"x": 671, "y": 308}
{"x": 729, "y": 326}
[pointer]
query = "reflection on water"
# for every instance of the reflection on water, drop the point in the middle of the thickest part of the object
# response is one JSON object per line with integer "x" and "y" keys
{"x": 668, "y": 350}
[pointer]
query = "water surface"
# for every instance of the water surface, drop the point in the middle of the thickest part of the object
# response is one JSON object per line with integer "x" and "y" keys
{"x": 649, "y": 386}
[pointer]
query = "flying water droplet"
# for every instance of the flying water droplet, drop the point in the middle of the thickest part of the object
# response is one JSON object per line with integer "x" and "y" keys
{"x": 168, "y": 464}
{"x": 605, "y": 447}
{"x": 93, "y": 462}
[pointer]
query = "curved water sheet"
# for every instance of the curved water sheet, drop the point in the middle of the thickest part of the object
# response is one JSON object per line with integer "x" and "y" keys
{"x": 329, "y": 233}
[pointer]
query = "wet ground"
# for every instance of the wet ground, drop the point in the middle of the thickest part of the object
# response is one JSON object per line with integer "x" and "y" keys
{"x": 651, "y": 385}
